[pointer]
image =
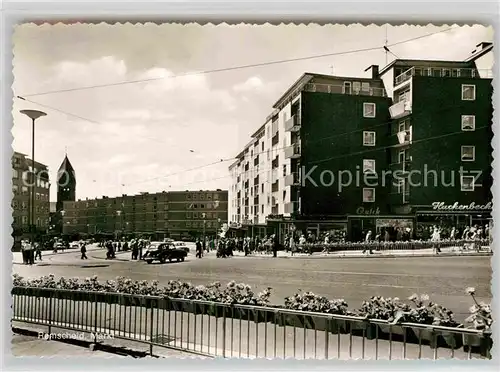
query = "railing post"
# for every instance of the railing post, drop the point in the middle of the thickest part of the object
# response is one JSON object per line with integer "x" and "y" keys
{"x": 95, "y": 319}
{"x": 50, "y": 313}
{"x": 224, "y": 333}
{"x": 151, "y": 331}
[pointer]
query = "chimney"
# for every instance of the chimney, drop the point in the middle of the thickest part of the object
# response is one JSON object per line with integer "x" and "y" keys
{"x": 374, "y": 69}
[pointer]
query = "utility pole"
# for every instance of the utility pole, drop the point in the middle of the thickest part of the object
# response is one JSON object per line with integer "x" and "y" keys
{"x": 204, "y": 242}
{"x": 386, "y": 44}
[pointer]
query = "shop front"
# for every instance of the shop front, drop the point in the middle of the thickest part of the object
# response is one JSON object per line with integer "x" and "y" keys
{"x": 286, "y": 226}
{"x": 398, "y": 227}
{"x": 448, "y": 216}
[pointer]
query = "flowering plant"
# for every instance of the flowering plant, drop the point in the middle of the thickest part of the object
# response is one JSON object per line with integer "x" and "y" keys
{"x": 231, "y": 294}
{"x": 420, "y": 311}
{"x": 382, "y": 308}
{"x": 308, "y": 301}
{"x": 481, "y": 317}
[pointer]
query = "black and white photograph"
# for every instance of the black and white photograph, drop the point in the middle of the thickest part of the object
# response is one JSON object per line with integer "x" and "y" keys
{"x": 278, "y": 191}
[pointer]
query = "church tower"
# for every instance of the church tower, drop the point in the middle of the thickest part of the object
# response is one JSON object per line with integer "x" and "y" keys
{"x": 66, "y": 184}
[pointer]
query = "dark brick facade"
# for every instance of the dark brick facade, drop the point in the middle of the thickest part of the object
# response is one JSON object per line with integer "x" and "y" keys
{"x": 332, "y": 139}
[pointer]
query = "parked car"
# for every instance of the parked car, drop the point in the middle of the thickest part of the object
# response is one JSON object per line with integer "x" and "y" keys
{"x": 75, "y": 245}
{"x": 181, "y": 245}
{"x": 163, "y": 252}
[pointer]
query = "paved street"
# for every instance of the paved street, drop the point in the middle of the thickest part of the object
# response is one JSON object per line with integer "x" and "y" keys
{"x": 355, "y": 279}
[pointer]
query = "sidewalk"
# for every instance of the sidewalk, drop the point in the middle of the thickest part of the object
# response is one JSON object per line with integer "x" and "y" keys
{"x": 26, "y": 342}
{"x": 17, "y": 257}
{"x": 445, "y": 252}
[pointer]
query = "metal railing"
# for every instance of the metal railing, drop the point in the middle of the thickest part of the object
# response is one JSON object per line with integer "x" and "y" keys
{"x": 340, "y": 89}
{"x": 443, "y": 72}
{"x": 397, "y": 246}
{"x": 216, "y": 329}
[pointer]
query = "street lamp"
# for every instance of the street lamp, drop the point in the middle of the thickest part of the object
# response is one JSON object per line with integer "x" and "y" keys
{"x": 33, "y": 115}
{"x": 63, "y": 212}
{"x": 204, "y": 215}
{"x": 118, "y": 213}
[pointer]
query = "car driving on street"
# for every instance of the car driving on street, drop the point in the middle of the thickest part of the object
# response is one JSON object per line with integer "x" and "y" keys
{"x": 181, "y": 245}
{"x": 160, "y": 251}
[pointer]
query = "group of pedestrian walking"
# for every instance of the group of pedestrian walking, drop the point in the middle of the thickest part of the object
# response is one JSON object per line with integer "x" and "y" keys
{"x": 31, "y": 251}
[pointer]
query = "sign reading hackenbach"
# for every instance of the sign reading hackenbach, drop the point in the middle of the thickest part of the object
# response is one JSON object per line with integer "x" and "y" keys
{"x": 441, "y": 206}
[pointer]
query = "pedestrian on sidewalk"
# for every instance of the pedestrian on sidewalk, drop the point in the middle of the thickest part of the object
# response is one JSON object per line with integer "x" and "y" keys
{"x": 436, "y": 237}
{"x": 275, "y": 246}
{"x": 293, "y": 246}
{"x": 38, "y": 251}
{"x": 83, "y": 250}
{"x": 198, "y": 248}
{"x": 24, "y": 252}
{"x": 368, "y": 245}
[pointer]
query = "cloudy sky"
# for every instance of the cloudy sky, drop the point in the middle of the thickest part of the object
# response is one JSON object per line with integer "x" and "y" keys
{"x": 130, "y": 138}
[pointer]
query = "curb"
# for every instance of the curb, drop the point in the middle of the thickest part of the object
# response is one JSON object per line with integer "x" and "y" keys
{"x": 420, "y": 255}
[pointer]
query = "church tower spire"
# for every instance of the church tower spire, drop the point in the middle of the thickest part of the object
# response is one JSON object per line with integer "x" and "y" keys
{"x": 66, "y": 183}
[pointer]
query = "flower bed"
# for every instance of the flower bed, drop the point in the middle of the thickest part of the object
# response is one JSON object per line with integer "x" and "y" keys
{"x": 179, "y": 296}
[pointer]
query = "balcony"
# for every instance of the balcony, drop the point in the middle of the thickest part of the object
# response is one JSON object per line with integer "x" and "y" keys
{"x": 404, "y": 137}
{"x": 291, "y": 207}
{"x": 292, "y": 179}
{"x": 400, "y": 109}
{"x": 292, "y": 152}
{"x": 442, "y": 72}
{"x": 292, "y": 124}
{"x": 339, "y": 89}
{"x": 275, "y": 187}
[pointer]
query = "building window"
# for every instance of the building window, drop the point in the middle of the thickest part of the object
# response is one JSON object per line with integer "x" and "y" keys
{"x": 15, "y": 189}
{"x": 202, "y": 196}
{"x": 24, "y": 190}
{"x": 15, "y": 173}
{"x": 368, "y": 166}
{"x": 347, "y": 87}
{"x": 468, "y": 123}
{"x": 368, "y": 110}
{"x": 467, "y": 183}
{"x": 368, "y": 195}
{"x": 262, "y": 208}
{"x": 25, "y": 220}
{"x": 188, "y": 196}
{"x": 188, "y": 224}
{"x": 368, "y": 138}
{"x": 209, "y": 196}
{"x": 468, "y": 153}
{"x": 468, "y": 92}
{"x": 262, "y": 145}
{"x": 216, "y": 196}
{"x": 23, "y": 205}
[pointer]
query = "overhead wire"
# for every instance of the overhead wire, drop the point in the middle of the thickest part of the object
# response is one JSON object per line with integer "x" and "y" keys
{"x": 233, "y": 68}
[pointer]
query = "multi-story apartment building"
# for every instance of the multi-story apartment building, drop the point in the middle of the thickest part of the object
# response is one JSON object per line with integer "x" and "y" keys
{"x": 21, "y": 186}
{"x": 296, "y": 155}
{"x": 175, "y": 214}
{"x": 336, "y": 152}
{"x": 440, "y": 139}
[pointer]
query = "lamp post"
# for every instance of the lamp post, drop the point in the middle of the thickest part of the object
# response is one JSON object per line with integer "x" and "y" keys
{"x": 204, "y": 215}
{"x": 63, "y": 212}
{"x": 33, "y": 115}
{"x": 118, "y": 213}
